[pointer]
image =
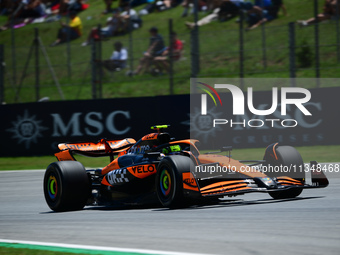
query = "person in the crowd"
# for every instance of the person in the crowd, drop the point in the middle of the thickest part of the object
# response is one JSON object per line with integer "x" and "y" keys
{"x": 156, "y": 48}
{"x": 205, "y": 20}
{"x": 118, "y": 59}
{"x": 119, "y": 23}
{"x": 329, "y": 10}
{"x": 162, "y": 62}
{"x": 122, "y": 3}
{"x": 266, "y": 13}
{"x": 65, "y": 6}
{"x": 186, "y": 4}
{"x": 108, "y": 4}
{"x": 71, "y": 31}
{"x": 215, "y": 5}
{"x": 158, "y": 5}
{"x": 8, "y": 6}
{"x": 128, "y": 15}
{"x": 113, "y": 27}
{"x": 229, "y": 9}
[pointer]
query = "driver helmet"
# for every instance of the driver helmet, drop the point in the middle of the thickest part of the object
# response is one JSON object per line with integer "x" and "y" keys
{"x": 172, "y": 149}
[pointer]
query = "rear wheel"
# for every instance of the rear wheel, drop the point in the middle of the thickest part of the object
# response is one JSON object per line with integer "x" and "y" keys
{"x": 66, "y": 186}
{"x": 169, "y": 180}
{"x": 290, "y": 157}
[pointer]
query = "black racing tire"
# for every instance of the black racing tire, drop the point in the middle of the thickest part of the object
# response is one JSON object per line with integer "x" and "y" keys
{"x": 66, "y": 186}
{"x": 291, "y": 193}
{"x": 290, "y": 157}
{"x": 169, "y": 180}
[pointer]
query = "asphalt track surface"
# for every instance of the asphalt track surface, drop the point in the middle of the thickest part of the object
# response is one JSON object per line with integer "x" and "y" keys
{"x": 249, "y": 224}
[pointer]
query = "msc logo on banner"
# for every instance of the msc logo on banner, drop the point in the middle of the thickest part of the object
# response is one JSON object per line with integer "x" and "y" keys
{"x": 27, "y": 128}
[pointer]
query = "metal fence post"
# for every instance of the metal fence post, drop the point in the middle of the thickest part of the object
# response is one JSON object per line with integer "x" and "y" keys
{"x": 194, "y": 52}
{"x": 2, "y": 74}
{"x": 68, "y": 46}
{"x": 130, "y": 46}
{"x": 337, "y": 31}
{"x": 171, "y": 75}
{"x": 241, "y": 53}
{"x": 93, "y": 68}
{"x": 14, "y": 65}
{"x": 316, "y": 40}
{"x": 194, "y": 36}
{"x": 292, "y": 67}
{"x": 37, "y": 68}
{"x": 99, "y": 63}
{"x": 264, "y": 51}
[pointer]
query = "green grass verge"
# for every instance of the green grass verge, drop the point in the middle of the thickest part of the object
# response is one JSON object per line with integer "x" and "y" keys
{"x": 26, "y": 163}
{"x": 16, "y": 251}
{"x": 30, "y": 249}
{"x": 309, "y": 153}
{"x": 319, "y": 153}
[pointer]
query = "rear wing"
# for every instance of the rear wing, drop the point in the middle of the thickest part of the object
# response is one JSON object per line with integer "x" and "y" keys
{"x": 100, "y": 149}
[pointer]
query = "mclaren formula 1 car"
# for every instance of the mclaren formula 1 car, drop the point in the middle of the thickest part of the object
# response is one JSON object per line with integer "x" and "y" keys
{"x": 173, "y": 173}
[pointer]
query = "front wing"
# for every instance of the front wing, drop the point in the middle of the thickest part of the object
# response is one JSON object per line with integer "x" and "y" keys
{"x": 232, "y": 187}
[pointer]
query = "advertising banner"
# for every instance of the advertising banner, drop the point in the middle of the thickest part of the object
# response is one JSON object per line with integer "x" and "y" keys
{"x": 37, "y": 128}
{"x": 215, "y": 116}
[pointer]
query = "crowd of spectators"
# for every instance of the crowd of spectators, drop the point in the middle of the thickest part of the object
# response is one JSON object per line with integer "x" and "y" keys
{"x": 255, "y": 13}
{"x": 124, "y": 18}
{"x": 23, "y": 12}
{"x": 119, "y": 23}
{"x": 156, "y": 55}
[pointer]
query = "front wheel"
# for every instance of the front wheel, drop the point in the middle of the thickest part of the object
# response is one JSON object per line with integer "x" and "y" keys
{"x": 290, "y": 157}
{"x": 169, "y": 180}
{"x": 66, "y": 186}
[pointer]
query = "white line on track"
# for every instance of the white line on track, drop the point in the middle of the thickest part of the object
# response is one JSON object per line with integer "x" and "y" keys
{"x": 98, "y": 248}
